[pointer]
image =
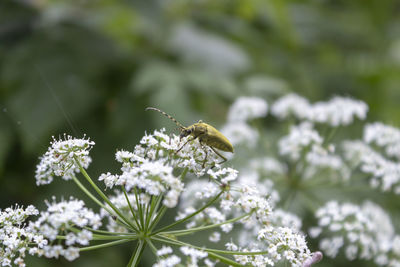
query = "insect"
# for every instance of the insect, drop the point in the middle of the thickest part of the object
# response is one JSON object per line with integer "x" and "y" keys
{"x": 206, "y": 134}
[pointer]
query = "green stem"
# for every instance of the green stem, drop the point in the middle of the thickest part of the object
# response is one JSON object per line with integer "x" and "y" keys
{"x": 130, "y": 207}
{"x": 154, "y": 206}
{"x": 192, "y": 230}
{"x": 153, "y": 248}
{"x": 223, "y": 259}
{"x": 183, "y": 174}
{"x": 134, "y": 261}
{"x": 106, "y": 232}
{"x": 147, "y": 216}
{"x": 90, "y": 195}
{"x": 105, "y": 245}
{"x": 157, "y": 218}
{"x": 139, "y": 208}
{"x": 103, "y": 237}
{"x": 191, "y": 215}
{"x": 227, "y": 252}
{"x": 102, "y": 195}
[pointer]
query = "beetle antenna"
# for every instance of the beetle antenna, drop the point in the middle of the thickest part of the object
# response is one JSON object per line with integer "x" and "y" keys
{"x": 168, "y": 116}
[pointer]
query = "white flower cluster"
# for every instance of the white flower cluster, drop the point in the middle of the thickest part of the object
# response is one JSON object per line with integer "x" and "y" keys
{"x": 364, "y": 232}
{"x": 286, "y": 219}
{"x": 385, "y": 173}
{"x": 244, "y": 195}
{"x": 237, "y": 130}
{"x": 265, "y": 187}
{"x": 384, "y": 136}
{"x": 149, "y": 167}
{"x": 320, "y": 158}
{"x": 277, "y": 218}
{"x": 58, "y": 219}
{"x": 60, "y": 159}
{"x": 16, "y": 239}
{"x": 225, "y": 175}
{"x": 250, "y": 200}
{"x": 240, "y": 133}
{"x": 282, "y": 244}
{"x": 153, "y": 177}
{"x": 291, "y": 105}
{"x": 247, "y": 108}
{"x": 300, "y": 137}
{"x": 159, "y": 146}
{"x": 335, "y": 112}
{"x": 193, "y": 257}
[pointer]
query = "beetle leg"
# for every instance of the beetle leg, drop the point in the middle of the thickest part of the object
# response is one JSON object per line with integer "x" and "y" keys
{"x": 176, "y": 152}
{"x": 205, "y": 157}
{"x": 216, "y": 152}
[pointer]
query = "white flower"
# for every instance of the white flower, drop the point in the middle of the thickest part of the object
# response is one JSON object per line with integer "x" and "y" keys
{"x": 16, "y": 237}
{"x": 385, "y": 173}
{"x": 247, "y": 108}
{"x": 300, "y": 137}
{"x": 265, "y": 187}
{"x": 60, "y": 159}
{"x": 164, "y": 251}
{"x": 153, "y": 177}
{"x": 225, "y": 175}
{"x": 71, "y": 253}
{"x": 160, "y": 146}
{"x": 109, "y": 179}
{"x": 194, "y": 254}
{"x": 170, "y": 261}
{"x": 250, "y": 200}
{"x": 284, "y": 243}
{"x": 320, "y": 158}
{"x": 338, "y": 111}
{"x": 215, "y": 237}
{"x": 240, "y": 133}
{"x": 384, "y": 136}
{"x": 291, "y": 104}
{"x": 286, "y": 219}
{"x": 363, "y": 230}
{"x": 335, "y": 112}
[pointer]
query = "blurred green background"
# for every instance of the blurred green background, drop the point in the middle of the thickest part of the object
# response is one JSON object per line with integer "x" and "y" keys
{"x": 93, "y": 66}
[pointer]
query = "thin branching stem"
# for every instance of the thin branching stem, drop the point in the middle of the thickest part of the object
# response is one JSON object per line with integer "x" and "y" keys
{"x": 191, "y": 215}
{"x": 102, "y": 195}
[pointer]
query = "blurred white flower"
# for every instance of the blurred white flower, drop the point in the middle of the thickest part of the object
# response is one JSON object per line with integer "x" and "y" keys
{"x": 362, "y": 231}
{"x": 247, "y": 108}
{"x": 291, "y": 105}
{"x": 299, "y": 138}
{"x": 240, "y": 133}
{"x": 385, "y": 173}
{"x": 384, "y": 136}
{"x": 335, "y": 112}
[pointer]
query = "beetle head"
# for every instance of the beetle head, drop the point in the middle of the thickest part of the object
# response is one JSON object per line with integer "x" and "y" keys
{"x": 185, "y": 132}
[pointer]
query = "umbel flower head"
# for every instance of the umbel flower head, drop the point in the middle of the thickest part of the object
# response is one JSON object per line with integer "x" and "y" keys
{"x": 152, "y": 181}
{"x": 61, "y": 159}
{"x": 16, "y": 238}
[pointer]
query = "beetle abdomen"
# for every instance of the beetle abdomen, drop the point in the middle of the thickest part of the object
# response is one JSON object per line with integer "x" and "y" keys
{"x": 216, "y": 139}
{"x": 223, "y": 146}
